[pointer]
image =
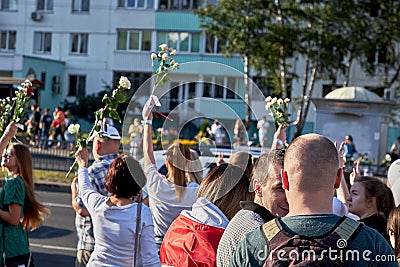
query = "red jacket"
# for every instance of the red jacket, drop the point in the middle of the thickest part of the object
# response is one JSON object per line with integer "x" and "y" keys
{"x": 188, "y": 243}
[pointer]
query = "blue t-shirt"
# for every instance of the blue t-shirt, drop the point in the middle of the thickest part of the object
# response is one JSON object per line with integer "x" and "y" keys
{"x": 368, "y": 247}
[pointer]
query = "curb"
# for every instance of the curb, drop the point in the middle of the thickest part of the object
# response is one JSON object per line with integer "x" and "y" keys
{"x": 49, "y": 187}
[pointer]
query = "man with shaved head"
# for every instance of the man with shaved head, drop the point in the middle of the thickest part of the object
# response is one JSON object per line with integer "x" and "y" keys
{"x": 311, "y": 234}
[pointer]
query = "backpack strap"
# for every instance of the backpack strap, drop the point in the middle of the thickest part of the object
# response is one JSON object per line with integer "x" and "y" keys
{"x": 348, "y": 228}
{"x": 270, "y": 229}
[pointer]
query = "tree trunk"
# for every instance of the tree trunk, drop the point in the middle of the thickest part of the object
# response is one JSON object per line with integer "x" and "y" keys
{"x": 306, "y": 105}
{"x": 247, "y": 92}
{"x": 347, "y": 72}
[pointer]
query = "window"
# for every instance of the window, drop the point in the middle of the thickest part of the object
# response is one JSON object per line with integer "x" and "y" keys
{"x": 42, "y": 42}
{"x": 133, "y": 40}
{"x": 80, "y": 5}
{"x": 79, "y": 43}
{"x": 136, "y": 3}
{"x": 179, "y": 4}
{"x": 45, "y": 5}
{"x": 9, "y": 5}
{"x": 77, "y": 85}
{"x": 7, "y": 40}
{"x": 181, "y": 41}
{"x": 213, "y": 45}
{"x": 220, "y": 87}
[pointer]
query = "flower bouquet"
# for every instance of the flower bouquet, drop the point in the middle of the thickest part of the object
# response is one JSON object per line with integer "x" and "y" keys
{"x": 279, "y": 110}
{"x": 109, "y": 110}
{"x": 15, "y": 109}
{"x": 162, "y": 62}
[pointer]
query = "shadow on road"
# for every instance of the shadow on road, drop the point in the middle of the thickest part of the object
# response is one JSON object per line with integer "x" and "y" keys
{"x": 48, "y": 232}
{"x": 51, "y": 260}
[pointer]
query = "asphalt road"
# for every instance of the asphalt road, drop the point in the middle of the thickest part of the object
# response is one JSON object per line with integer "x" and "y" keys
{"x": 54, "y": 244}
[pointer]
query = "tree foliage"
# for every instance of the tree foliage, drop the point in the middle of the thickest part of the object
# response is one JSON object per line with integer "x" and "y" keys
{"x": 326, "y": 36}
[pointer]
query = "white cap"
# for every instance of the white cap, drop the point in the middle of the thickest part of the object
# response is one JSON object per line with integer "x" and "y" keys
{"x": 111, "y": 133}
{"x": 394, "y": 172}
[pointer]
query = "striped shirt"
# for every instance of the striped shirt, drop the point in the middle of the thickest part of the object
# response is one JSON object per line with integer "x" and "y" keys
{"x": 97, "y": 175}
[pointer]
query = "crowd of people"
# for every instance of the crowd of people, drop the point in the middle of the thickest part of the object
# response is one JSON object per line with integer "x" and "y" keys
{"x": 240, "y": 214}
{"x": 279, "y": 209}
{"x": 46, "y": 130}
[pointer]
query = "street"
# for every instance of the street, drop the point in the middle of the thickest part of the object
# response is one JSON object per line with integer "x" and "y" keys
{"x": 54, "y": 243}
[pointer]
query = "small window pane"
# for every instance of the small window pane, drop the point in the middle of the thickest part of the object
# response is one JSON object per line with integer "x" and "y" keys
{"x": 74, "y": 46}
{"x": 172, "y": 39}
{"x": 140, "y": 3}
{"x": 40, "y": 4}
{"x": 3, "y": 40}
{"x": 195, "y": 42}
{"x": 131, "y": 3}
{"x": 150, "y": 3}
{"x": 85, "y": 5}
{"x": 146, "y": 41}
{"x": 134, "y": 41}
{"x": 84, "y": 43}
{"x": 210, "y": 43}
{"x": 184, "y": 44}
{"x": 161, "y": 38}
{"x": 121, "y": 42}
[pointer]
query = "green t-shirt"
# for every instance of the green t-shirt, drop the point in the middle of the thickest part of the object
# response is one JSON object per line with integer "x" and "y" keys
{"x": 15, "y": 237}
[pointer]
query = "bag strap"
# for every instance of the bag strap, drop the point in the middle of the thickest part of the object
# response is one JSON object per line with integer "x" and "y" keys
{"x": 138, "y": 221}
{"x": 348, "y": 228}
{"x": 270, "y": 229}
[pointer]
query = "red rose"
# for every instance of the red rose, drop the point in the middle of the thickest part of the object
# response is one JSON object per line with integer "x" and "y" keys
{"x": 28, "y": 91}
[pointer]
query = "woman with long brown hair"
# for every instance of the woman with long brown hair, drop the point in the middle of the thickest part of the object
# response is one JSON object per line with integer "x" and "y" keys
{"x": 170, "y": 194}
{"x": 20, "y": 210}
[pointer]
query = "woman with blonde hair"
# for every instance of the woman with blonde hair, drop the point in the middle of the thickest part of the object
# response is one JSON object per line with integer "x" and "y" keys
{"x": 169, "y": 194}
{"x": 20, "y": 210}
{"x": 192, "y": 239}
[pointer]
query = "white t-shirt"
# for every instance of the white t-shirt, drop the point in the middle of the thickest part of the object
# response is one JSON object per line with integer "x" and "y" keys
{"x": 218, "y": 133}
{"x": 263, "y": 127}
{"x": 114, "y": 230}
{"x": 163, "y": 200}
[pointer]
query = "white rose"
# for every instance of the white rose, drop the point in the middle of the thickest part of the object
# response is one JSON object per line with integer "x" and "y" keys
{"x": 287, "y": 100}
{"x": 164, "y": 47}
{"x": 153, "y": 55}
{"x": 164, "y": 56}
{"x": 280, "y": 101}
{"x": 268, "y": 99}
{"x": 273, "y": 101}
{"x": 124, "y": 82}
{"x": 173, "y": 52}
{"x": 74, "y": 128}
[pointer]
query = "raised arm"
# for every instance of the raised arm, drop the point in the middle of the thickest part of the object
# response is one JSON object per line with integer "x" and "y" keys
{"x": 8, "y": 134}
{"x": 279, "y": 138}
{"x": 148, "y": 143}
{"x": 342, "y": 191}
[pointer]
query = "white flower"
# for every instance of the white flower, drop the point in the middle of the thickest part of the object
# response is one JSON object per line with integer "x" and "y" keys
{"x": 287, "y": 100}
{"x": 114, "y": 92}
{"x": 124, "y": 82}
{"x": 164, "y": 56}
{"x": 175, "y": 66}
{"x": 164, "y": 47}
{"x": 273, "y": 101}
{"x": 21, "y": 110}
{"x": 153, "y": 55}
{"x": 388, "y": 157}
{"x": 280, "y": 101}
{"x": 268, "y": 105}
{"x": 268, "y": 99}
{"x": 74, "y": 128}
{"x": 27, "y": 83}
{"x": 172, "y": 62}
{"x": 173, "y": 52}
